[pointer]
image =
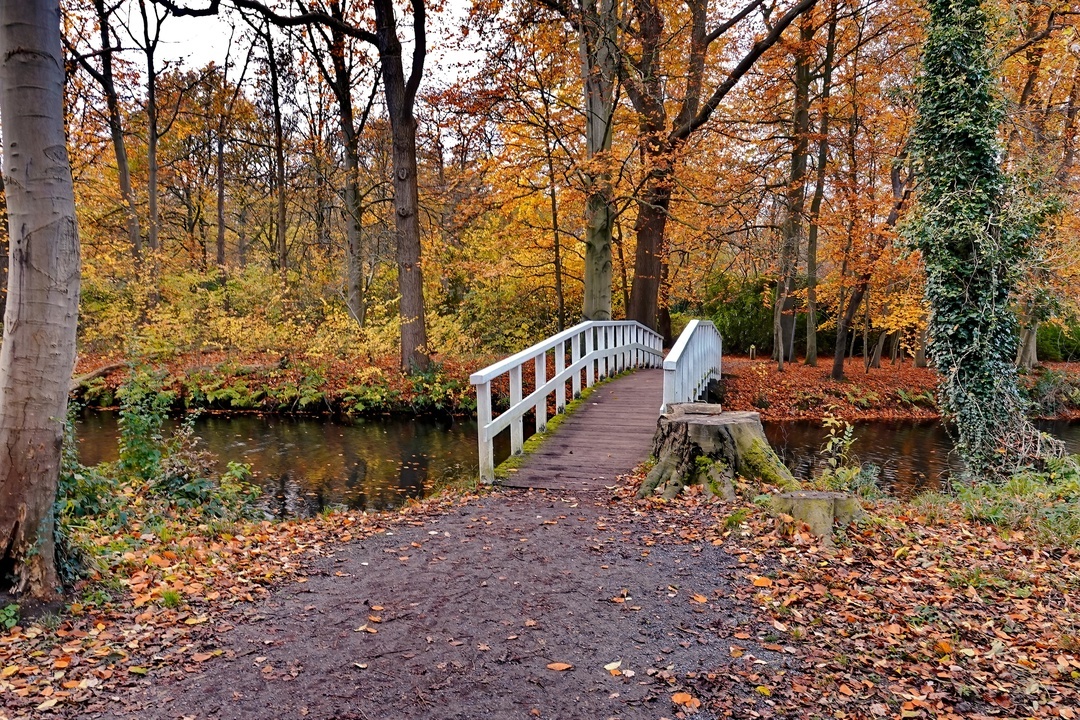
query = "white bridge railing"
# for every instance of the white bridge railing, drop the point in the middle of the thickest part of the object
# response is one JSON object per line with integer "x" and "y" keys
{"x": 595, "y": 348}
{"x": 694, "y": 360}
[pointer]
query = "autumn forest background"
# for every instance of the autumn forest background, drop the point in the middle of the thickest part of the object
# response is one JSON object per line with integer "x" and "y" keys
{"x": 246, "y": 204}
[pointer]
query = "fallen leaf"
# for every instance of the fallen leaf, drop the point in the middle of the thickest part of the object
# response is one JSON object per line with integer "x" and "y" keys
{"x": 613, "y": 665}
{"x": 699, "y": 598}
{"x": 762, "y": 581}
{"x": 559, "y": 666}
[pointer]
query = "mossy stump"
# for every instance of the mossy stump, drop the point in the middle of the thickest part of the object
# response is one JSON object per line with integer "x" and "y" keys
{"x": 820, "y": 511}
{"x": 699, "y": 443}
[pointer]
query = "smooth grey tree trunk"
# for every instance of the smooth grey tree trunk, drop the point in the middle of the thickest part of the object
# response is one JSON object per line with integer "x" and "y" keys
{"x": 597, "y": 41}
{"x": 38, "y": 353}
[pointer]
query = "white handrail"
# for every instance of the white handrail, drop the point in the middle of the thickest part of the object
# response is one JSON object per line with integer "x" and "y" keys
{"x": 598, "y": 347}
{"x": 694, "y": 360}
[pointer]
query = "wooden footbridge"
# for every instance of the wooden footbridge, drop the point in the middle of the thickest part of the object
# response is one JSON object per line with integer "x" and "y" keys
{"x": 611, "y": 430}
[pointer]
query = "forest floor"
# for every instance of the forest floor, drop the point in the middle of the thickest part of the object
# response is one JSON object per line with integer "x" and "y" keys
{"x": 522, "y": 604}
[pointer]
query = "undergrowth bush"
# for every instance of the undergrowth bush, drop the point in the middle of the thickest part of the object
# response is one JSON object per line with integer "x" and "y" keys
{"x": 1053, "y": 391}
{"x": 1045, "y": 504}
{"x": 159, "y": 481}
{"x": 843, "y": 470}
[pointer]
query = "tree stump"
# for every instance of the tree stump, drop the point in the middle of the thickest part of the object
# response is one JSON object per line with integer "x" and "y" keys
{"x": 821, "y": 511}
{"x": 698, "y": 443}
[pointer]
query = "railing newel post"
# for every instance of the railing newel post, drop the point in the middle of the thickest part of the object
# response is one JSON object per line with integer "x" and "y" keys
{"x": 484, "y": 439}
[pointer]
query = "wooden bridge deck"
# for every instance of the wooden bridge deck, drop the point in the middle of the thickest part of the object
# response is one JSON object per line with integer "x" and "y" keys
{"x": 608, "y": 436}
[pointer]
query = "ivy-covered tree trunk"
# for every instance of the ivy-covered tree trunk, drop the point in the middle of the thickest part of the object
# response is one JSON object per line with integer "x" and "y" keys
{"x": 973, "y": 235}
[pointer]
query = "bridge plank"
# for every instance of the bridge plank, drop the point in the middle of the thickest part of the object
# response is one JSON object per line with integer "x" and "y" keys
{"x": 608, "y": 436}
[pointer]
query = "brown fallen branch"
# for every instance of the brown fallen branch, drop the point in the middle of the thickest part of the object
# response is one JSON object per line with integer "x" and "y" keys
{"x": 80, "y": 380}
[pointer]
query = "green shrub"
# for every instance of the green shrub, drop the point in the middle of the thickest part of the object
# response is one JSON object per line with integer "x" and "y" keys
{"x": 434, "y": 392}
{"x": 9, "y": 616}
{"x": 1053, "y": 392}
{"x": 144, "y": 407}
{"x": 1046, "y": 503}
{"x": 742, "y": 313}
{"x": 1056, "y": 342}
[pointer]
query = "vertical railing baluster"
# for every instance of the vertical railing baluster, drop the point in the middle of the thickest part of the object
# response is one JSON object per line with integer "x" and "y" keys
{"x": 541, "y": 405}
{"x": 560, "y": 365}
{"x": 575, "y": 355}
{"x": 517, "y": 440}
{"x": 590, "y": 342}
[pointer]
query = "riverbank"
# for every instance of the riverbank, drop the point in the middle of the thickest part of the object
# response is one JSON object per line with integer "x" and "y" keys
{"x": 359, "y": 387}
{"x": 891, "y": 392}
{"x": 570, "y": 605}
{"x": 289, "y": 384}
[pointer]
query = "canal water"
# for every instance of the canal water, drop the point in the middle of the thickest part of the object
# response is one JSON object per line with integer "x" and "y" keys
{"x": 912, "y": 456}
{"x": 306, "y": 464}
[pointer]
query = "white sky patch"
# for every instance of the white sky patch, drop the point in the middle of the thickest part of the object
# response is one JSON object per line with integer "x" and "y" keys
{"x": 197, "y": 41}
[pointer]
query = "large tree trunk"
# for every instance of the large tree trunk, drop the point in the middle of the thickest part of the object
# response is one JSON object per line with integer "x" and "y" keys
{"x": 38, "y": 352}
{"x": 220, "y": 180}
{"x": 819, "y": 195}
{"x": 649, "y": 255}
{"x": 5, "y": 236}
{"x": 400, "y": 98}
{"x": 281, "y": 249}
{"x": 150, "y": 40}
{"x": 792, "y": 226}
{"x": 1027, "y": 355}
{"x": 597, "y": 25}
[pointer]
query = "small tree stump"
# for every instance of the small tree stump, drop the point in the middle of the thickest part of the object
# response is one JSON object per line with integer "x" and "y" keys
{"x": 821, "y": 511}
{"x": 698, "y": 443}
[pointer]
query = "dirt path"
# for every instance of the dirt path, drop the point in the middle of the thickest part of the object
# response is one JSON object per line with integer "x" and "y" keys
{"x": 459, "y": 617}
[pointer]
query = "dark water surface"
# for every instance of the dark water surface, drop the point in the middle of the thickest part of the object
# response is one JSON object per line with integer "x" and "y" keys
{"x": 913, "y": 456}
{"x": 305, "y": 464}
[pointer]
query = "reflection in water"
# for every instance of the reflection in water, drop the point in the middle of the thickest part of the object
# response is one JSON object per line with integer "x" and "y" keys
{"x": 308, "y": 464}
{"x": 913, "y": 456}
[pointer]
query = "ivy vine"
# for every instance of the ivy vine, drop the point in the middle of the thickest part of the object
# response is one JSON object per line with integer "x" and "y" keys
{"x": 974, "y": 228}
